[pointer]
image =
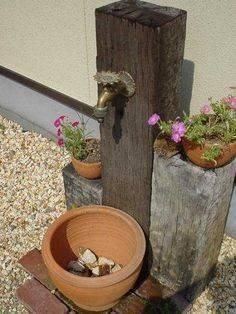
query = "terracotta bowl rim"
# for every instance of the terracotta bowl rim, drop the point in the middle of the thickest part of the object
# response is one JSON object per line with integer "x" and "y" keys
{"x": 104, "y": 281}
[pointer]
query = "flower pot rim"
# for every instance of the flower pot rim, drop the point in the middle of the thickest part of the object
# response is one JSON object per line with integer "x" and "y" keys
{"x": 107, "y": 280}
{"x": 208, "y": 142}
{"x": 86, "y": 163}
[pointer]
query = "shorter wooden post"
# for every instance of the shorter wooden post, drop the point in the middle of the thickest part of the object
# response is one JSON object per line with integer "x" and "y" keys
{"x": 80, "y": 191}
{"x": 189, "y": 209}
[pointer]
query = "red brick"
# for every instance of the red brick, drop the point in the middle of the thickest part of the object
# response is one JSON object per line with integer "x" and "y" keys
{"x": 33, "y": 264}
{"x": 150, "y": 289}
{"x": 38, "y": 299}
{"x": 130, "y": 304}
{"x": 73, "y": 307}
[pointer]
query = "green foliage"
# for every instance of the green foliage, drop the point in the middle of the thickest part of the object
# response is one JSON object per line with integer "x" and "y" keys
{"x": 165, "y": 127}
{"x": 212, "y": 153}
{"x": 216, "y": 124}
{"x": 75, "y": 140}
{"x": 196, "y": 128}
{"x": 220, "y": 125}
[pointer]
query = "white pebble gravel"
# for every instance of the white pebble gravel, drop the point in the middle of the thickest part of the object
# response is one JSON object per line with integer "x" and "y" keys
{"x": 220, "y": 296}
{"x": 32, "y": 196}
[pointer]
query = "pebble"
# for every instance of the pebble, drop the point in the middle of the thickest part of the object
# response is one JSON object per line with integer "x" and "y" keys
{"x": 103, "y": 260}
{"x": 220, "y": 295}
{"x": 32, "y": 196}
{"x": 87, "y": 256}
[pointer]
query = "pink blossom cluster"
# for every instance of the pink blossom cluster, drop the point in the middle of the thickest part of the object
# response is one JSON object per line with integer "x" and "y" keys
{"x": 206, "y": 108}
{"x": 231, "y": 100}
{"x": 58, "y": 124}
{"x": 178, "y": 131}
{"x": 154, "y": 119}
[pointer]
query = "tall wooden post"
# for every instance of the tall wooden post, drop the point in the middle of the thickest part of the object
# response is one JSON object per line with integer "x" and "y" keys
{"x": 147, "y": 41}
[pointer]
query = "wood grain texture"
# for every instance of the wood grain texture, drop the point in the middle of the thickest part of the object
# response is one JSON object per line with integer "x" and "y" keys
{"x": 141, "y": 12}
{"x": 188, "y": 214}
{"x": 80, "y": 191}
{"x": 148, "y": 42}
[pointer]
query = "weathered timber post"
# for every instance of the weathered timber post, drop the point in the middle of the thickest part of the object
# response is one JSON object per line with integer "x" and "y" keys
{"x": 189, "y": 209}
{"x": 80, "y": 191}
{"x": 146, "y": 41}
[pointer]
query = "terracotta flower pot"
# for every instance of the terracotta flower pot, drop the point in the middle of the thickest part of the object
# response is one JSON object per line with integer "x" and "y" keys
{"x": 87, "y": 170}
{"x": 194, "y": 152}
{"x": 108, "y": 232}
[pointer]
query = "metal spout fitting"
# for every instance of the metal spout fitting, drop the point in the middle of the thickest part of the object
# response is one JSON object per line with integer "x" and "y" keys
{"x": 106, "y": 96}
{"x": 113, "y": 84}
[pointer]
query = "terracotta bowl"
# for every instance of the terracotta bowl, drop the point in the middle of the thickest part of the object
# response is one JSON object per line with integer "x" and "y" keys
{"x": 87, "y": 170}
{"x": 108, "y": 232}
{"x": 194, "y": 152}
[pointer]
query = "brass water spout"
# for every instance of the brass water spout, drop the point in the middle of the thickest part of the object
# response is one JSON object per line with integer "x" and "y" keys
{"x": 113, "y": 84}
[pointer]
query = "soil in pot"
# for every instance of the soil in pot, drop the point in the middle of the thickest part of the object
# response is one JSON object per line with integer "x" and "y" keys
{"x": 90, "y": 167}
{"x": 93, "y": 148}
{"x": 166, "y": 148}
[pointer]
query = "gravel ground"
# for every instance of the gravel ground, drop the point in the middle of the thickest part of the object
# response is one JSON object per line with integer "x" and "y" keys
{"x": 32, "y": 196}
{"x": 220, "y": 296}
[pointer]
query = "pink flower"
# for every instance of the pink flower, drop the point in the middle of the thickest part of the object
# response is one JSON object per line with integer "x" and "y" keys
{"x": 179, "y": 127}
{"x": 233, "y": 105}
{"x": 176, "y": 137}
{"x": 178, "y": 131}
{"x": 229, "y": 99}
{"x": 60, "y": 142}
{"x": 59, "y": 132}
{"x": 57, "y": 122}
{"x": 75, "y": 124}
{"x": 154, "y": 119}
{"x": 205, "y": 109}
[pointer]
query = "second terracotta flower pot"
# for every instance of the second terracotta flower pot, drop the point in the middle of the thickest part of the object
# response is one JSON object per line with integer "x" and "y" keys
{"x": 195, "y": 152}
{"x": 108, "y": 232}
{"x": 87, "y": 170}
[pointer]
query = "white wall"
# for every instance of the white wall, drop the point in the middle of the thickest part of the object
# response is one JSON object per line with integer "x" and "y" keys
{"x": 53, "y": 42}
{"x": 46, "y": 41}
